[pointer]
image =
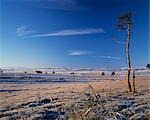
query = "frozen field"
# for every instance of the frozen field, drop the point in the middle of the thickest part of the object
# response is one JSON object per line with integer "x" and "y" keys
{"x": 19, "y": 77}
{"x": 70, "y": 94}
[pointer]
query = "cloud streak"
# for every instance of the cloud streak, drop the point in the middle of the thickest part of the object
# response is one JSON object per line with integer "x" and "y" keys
{"x": 110, "y": 57}
{"x": 24, "y": 30}
{"x": 61, "y": 4}
{"x": 66, "y": 5}
{"x": 78, "y": 53}
{"x": 72, "y": 32}
{"x": 119, "y": 42}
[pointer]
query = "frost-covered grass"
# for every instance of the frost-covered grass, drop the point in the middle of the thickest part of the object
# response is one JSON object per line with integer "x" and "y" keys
{"x": 86, "y": 95}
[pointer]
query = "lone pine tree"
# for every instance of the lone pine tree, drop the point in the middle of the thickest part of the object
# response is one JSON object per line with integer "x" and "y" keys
{"x": 124, "y": 23}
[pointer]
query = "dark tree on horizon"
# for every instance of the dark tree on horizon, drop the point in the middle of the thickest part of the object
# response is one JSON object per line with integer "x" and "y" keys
{"x": 148, "y": 66}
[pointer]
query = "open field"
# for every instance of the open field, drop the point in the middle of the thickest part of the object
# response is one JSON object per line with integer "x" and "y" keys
{"x": 82, "y": 95}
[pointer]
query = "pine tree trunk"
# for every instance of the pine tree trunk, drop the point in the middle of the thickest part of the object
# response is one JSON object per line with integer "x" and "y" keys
{"x": 128, "y": 58}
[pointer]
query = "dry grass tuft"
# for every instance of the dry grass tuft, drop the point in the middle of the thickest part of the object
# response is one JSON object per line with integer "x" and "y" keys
{"x": 90, "y": 106}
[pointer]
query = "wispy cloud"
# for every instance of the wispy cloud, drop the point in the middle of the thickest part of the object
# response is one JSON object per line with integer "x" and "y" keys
{"x": 70, "y": 5}
{"x": 66, "y": 5}
{"x": 61, "y": 4}
{"x": 78, "y": 53}
{"x": 110, "y": 57}
{"x": 119, "y": 42}
{"x": 24, "y": 30}
{"x": 71, "y": 32}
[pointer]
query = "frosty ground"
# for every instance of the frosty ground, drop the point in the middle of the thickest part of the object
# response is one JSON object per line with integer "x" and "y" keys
{"x": 73, "y": 95}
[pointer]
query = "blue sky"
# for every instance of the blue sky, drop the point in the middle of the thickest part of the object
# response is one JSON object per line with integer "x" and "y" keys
{"x": 71, "y": 33}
